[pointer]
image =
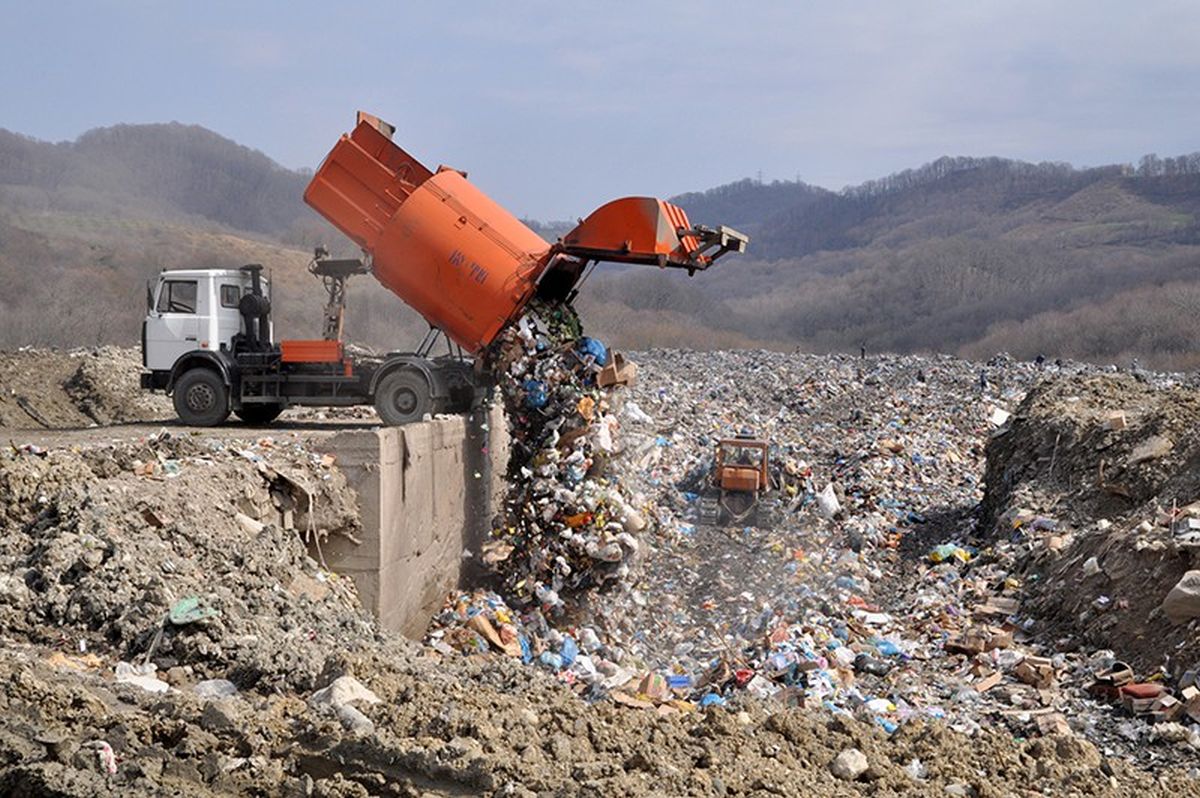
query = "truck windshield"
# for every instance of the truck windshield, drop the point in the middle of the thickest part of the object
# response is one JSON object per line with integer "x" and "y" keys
{"x": 741, "y": 455}
{"x": 177, "y": 296}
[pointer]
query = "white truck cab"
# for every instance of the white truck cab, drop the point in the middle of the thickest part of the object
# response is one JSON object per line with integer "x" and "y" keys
{"x": 209, "y": 343}
{"x": 190, "y": 309}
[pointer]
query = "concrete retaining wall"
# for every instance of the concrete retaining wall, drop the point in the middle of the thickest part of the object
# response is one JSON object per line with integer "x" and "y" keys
{"x": 426, "y": 492}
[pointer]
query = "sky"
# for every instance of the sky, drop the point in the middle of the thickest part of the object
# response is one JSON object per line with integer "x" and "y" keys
{"x": 556, "y": 107}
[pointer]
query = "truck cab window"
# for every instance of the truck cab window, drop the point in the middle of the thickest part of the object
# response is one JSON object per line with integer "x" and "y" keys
{"x": 230, "y": 294}
{"x": 177, "y": 296}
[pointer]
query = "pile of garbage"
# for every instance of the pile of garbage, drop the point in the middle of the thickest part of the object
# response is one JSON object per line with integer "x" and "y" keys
{"x": 879, "y": 589}
{"x": 568, "y": 527}
{"x": 569, "y": 530}
{"x": 793, "y": 610}
{"x": 875, "y": 592}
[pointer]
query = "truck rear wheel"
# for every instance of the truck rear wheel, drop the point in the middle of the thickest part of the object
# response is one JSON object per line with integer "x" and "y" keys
{"x": 201, "y": 398}
{"x": 403, "y": 397}
{"x": 259, "y": 413}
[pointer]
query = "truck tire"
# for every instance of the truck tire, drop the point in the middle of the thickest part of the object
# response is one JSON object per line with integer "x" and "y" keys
{"x": 201, "y": 398}
{"x": 258, "y": 413}
{"x": 403, "y": 397}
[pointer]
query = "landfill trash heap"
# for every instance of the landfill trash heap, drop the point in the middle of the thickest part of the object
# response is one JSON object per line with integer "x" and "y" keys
{"x": 165, "y": 628}
{"x": 884, "y": 590}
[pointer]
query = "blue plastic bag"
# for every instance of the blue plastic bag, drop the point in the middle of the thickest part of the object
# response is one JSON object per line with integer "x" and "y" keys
{"x": 569, "y": 651}
{"x": 535, "y": 394}
{"x": 590, "y": 347}
{"x": 888, "y": 649}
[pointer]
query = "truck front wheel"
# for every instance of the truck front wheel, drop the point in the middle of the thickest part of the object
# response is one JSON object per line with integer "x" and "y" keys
{"x": 201, "y": 398}
{"x": 403, "y": 397}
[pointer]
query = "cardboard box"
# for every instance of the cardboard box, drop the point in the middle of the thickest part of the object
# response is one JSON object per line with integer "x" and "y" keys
{"x": 619, "y": 371}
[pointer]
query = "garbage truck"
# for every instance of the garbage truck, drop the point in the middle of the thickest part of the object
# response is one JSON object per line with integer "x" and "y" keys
{"x": 465, "y": 264}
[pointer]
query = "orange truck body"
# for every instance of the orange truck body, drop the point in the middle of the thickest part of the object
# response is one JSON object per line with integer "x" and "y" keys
{"x": 436, "y": 241}
{"x": 311, "y": 351}
{"x": 467, "y": 265}
{"x": 741, "y": 479}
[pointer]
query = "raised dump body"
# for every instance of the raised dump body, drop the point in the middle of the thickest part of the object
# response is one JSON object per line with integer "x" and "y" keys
{"x": 466, "y": 264}
{"x": 436, "y": 241}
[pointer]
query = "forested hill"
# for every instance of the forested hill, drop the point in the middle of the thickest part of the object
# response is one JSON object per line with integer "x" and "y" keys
{"x": 746, "y": 204}
{"x": 945, "y": 197}
{"x": 963, "y": 255}
{"x": 162, "y": 170}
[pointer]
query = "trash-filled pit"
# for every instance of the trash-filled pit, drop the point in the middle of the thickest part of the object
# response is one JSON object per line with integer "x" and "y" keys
{"x": 164, "y": 627}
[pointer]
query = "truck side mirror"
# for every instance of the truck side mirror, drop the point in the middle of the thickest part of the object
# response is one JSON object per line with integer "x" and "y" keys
{"x": 149, "y": 296}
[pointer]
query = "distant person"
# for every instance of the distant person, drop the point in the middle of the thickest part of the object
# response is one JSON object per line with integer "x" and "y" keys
{"x": 862, "y": 351}
{"x": 983, "y": 383}
{"x": 920, "y": 375}
{"x": 1040, "y": 360}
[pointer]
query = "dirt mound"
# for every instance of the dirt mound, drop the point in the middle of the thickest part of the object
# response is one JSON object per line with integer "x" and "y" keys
{"x": 463, "y": 727}
{"x": 177, "y": 552}
{"x": 54, "y": 389}
{"x": 1089, "y": 476}
{"x": 1097, "y": 446}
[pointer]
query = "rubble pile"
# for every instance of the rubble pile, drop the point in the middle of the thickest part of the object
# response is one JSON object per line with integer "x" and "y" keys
{"x": 171, "y": 552}
{"x": 54, "y": 389}
{"x": 1092, "y": 487}
{"x": 392, "y": 723}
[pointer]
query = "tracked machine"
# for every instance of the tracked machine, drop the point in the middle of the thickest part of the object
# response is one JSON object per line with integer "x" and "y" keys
{"x": 738, "y": 484}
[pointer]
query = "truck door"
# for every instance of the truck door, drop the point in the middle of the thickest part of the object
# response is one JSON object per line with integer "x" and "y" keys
{"x": 229, "y": 320}
{"x": 173, "y": 326}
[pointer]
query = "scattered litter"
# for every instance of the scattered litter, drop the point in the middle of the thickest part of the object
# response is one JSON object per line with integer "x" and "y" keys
{"x": 141, "y": 676}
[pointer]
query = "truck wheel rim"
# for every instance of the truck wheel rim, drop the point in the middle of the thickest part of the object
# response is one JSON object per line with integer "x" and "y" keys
{"x": 405, "y": 400}
{"x": 200, "y": 398}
